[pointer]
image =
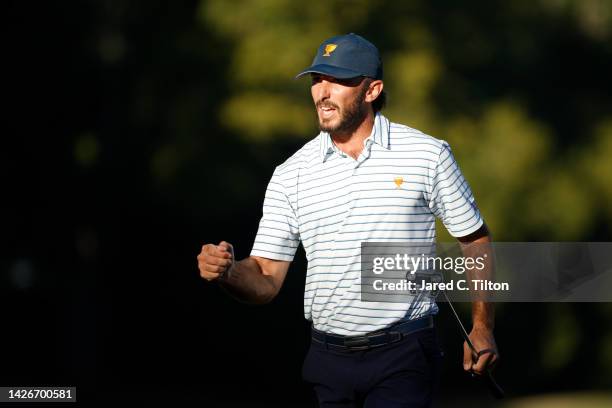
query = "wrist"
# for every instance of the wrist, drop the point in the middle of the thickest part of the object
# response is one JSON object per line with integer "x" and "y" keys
{"x": 224, "y": 277}
{"x": 483, "y": 325}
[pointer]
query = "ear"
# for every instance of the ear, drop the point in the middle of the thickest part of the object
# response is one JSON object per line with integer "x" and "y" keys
{"x": 374, "y": 89}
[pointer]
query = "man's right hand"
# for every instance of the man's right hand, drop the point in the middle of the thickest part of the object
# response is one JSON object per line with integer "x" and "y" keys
{"x": 215, "y": 260}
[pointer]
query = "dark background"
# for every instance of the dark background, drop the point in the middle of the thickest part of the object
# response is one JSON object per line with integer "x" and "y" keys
{"x": 125, "y": 150}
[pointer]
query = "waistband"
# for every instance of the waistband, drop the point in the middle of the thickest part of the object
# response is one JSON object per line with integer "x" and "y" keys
{"x": 375, "y": 339}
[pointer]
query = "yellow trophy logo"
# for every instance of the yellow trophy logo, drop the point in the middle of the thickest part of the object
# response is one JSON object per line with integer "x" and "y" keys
{"x": 329, "y": 48}
{"x": 398, "y": 181}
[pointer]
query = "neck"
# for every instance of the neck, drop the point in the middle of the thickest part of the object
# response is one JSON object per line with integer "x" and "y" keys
{"x": 351, "y": 142}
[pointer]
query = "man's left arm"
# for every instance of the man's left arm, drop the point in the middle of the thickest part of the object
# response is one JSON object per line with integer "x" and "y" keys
{"x": 475, "y": 245}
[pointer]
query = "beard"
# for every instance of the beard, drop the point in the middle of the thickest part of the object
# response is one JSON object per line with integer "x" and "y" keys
{"x": 349, "y": 118}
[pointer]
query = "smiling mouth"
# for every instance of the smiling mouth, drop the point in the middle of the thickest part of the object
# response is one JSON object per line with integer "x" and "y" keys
{"x": 326, "y": 111}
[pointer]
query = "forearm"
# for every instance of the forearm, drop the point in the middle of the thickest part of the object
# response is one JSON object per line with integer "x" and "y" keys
{"x": 483, "y": 311}
{"x": 483, "y": 315}
{"x": 246, "y": 282}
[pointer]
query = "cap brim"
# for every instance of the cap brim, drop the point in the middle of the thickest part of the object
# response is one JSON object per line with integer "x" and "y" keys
{"x": 336, "y": 72}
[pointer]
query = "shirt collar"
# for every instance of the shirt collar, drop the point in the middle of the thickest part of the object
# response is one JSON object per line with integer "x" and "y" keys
{"x": 380, "y": 135}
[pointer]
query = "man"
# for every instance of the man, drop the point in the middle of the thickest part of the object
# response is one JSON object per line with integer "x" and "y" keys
{"x": 362, "y": 179}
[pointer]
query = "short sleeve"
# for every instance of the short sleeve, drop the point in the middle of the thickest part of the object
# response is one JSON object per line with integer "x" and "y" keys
{"x": 450, "y": 197}
{"x": 278, "y": 235}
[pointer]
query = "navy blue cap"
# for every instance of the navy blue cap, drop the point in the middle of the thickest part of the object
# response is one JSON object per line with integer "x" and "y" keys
{"x": 346, "y": 56}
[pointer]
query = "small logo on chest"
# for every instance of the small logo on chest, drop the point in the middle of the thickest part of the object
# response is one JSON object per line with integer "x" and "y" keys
{"x": 398, "y": 181}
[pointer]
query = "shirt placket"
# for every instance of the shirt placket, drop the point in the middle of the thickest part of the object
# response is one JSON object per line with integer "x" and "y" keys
{"x": 351, "y": 169}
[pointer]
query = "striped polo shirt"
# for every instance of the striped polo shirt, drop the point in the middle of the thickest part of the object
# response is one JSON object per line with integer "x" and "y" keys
{"x": 332, "y": 203}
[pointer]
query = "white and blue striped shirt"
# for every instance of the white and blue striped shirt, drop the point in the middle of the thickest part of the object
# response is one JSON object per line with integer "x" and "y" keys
{"x": 332, "y": 203}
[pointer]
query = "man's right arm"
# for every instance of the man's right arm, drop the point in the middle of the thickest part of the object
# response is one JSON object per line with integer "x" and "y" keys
{"x": 253, "y": 280}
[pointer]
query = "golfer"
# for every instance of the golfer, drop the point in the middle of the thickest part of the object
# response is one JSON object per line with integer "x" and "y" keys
{"x": 361, "y": 179}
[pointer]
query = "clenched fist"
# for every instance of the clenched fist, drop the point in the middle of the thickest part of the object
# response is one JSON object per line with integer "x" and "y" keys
{"x": 215, "y": 261}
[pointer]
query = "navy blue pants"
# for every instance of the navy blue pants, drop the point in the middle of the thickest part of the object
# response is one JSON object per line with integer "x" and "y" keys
{"x": 400, "y": 374}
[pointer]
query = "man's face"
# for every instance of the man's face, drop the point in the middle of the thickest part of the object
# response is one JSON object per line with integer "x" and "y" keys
{"x": 340, "y": 103}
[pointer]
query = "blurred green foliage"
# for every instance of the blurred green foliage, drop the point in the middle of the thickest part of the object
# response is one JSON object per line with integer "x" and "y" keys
{"x": 566, "y": 400}
{"x": 527, "y": 184}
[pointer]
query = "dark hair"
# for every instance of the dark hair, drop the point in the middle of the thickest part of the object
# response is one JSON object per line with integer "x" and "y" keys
{"x": 379, "y": 102}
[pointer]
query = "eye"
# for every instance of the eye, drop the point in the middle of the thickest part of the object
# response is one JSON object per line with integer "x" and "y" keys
{"x": 352, "y": 82}
{"x": 315, "y": 78}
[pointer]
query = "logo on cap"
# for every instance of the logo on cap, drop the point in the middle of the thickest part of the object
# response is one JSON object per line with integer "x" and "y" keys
{"x": 329, "y": 48}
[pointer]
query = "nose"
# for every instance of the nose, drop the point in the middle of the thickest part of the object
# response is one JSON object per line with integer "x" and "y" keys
{"x": 321, "y": 90}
